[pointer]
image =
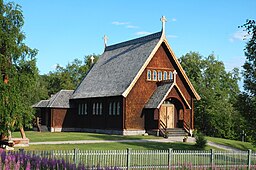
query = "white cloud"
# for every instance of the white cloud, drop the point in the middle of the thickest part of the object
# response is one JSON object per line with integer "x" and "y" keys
{"x": 172, "y": 36}
{"x": 120, "y": 23}
{"x": 174, "y": 19}
{"x": 131, "y": 26}
{"x": 238, "y": 36}
{"x": 142, "y": 33}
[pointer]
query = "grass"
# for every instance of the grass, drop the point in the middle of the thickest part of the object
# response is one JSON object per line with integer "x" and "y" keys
{"x": 119, "y": 146}
{"x": 233, "y": 143}
{"x": 67, "y": 136}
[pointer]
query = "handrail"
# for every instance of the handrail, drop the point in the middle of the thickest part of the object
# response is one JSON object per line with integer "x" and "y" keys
{"x": 186, "y": 126}
{"x": 162, "y": 128}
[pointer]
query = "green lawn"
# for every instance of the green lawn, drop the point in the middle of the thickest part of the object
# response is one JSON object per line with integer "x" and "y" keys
{"x": 118, "y": 146}
{"x": 233, "y": 143}
{"x": 67, "y": 136}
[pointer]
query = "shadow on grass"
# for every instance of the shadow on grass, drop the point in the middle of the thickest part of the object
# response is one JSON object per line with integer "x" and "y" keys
{"x": 119, "y": 137}
{"x": 162, "y": 145}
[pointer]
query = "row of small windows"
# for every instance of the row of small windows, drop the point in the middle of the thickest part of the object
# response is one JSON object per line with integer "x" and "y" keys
{"x": 82, "y": 109}
{"x": 159, "y": 75}
{"x": 114, "y": 108}
{"x": 97, "y": 109}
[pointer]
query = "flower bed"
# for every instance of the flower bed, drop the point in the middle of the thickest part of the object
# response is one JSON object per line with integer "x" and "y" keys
{"x": 21, "y": 161}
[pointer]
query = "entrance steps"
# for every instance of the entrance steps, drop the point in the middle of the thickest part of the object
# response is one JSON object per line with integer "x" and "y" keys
{"x": 172, "y": 132}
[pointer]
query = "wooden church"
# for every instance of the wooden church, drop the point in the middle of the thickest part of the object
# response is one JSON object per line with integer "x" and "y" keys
{"x": 136, "y": 87}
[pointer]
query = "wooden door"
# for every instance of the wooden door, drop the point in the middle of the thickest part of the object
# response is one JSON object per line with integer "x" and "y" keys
{"x": 167, "y": 115}
{"x": 170, "y": 116}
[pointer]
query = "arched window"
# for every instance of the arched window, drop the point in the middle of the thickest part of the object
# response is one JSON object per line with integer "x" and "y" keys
{"x": 165, "y": 75}
{"x": 160, "y": 76}
{"x": 149, "y": 75}
{"x": 170, "y": 75}
{"x": 154, "y": 75}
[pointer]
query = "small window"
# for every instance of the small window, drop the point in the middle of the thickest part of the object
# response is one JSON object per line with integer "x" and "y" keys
{"x": 93, "y": 109}
{"x": 110, "y": 108}
{"x": 114, "y": 108}
{"x": 79, "y": 109}
{"x": 100, "y": 109}
{"x": 85, "y": 109}
{"x": 82, "y": 109}
{"x": 97, "y": 108}
{"x": 170, "y": 75}
{"x": 160, "y": 76}
{"x": 118, "y": 108}
{"x": 165, "y": 75}
{"x": 154, "y": 75}
{"x": 149, "y": 75}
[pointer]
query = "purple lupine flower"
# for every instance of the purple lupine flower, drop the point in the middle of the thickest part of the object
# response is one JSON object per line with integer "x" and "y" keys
{"x": 3, "y": 155}
{"x": 17, "y": 166}
{"x": 6, "y": 163}
{"x": 0, "y": 163}
{"x": 28, "y": 165}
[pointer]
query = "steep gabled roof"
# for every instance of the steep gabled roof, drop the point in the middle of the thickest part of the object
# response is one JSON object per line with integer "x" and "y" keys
{"x": 121, "y": 65}
{"x": 161, "y": 41}
{"x": 117, "y": 68}
{"x": 58, "y": 100}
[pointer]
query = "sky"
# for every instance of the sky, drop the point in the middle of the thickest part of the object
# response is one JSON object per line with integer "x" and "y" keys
{"x": 63, "y": 30}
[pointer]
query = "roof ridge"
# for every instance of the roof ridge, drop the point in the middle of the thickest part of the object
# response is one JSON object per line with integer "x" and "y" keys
{"x": 133, "y": 41}
{"x": 53, "y": 100}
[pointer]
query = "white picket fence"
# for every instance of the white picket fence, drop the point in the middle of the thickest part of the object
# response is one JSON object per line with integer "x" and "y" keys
{"x": 155, "y": 159}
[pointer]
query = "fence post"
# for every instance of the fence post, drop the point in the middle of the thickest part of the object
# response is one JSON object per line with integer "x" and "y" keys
{"x": 75, "y": 155}
{"x": 128, "y": 163}
{"x": 249, "y": 159}
{"x": 169, "y": 158}
{"x": 212, "y": 158}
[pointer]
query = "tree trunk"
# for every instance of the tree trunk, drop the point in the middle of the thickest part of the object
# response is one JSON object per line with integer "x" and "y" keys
{"x": 22, "y": 132}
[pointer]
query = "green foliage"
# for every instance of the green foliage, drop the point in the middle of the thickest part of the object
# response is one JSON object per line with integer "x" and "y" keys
{"x": 214, "y": 113}
{"x": 67, "y": 77}
{"x": 200, "y": 140}
{"x": 250, "y": 63}
{"x": 247, "y": 100}
{"x": 18, "y": 66}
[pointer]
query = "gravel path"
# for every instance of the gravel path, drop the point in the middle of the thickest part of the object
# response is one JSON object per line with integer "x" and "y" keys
{"x": 224, "y": 147}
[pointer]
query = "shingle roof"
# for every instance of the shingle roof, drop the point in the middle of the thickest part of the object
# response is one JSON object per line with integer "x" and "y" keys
{"x": 58, "y": 100}
{"x": 158, "y": 95}
{"x": 116, "y": 68}
{"x": 42, "y": 103}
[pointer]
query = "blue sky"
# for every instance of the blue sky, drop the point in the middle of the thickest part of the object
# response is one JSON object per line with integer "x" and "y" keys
{"x": 63, "y": 30}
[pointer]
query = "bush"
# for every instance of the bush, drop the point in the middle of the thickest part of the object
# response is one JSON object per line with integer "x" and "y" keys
{"x": 200, "y": 140}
